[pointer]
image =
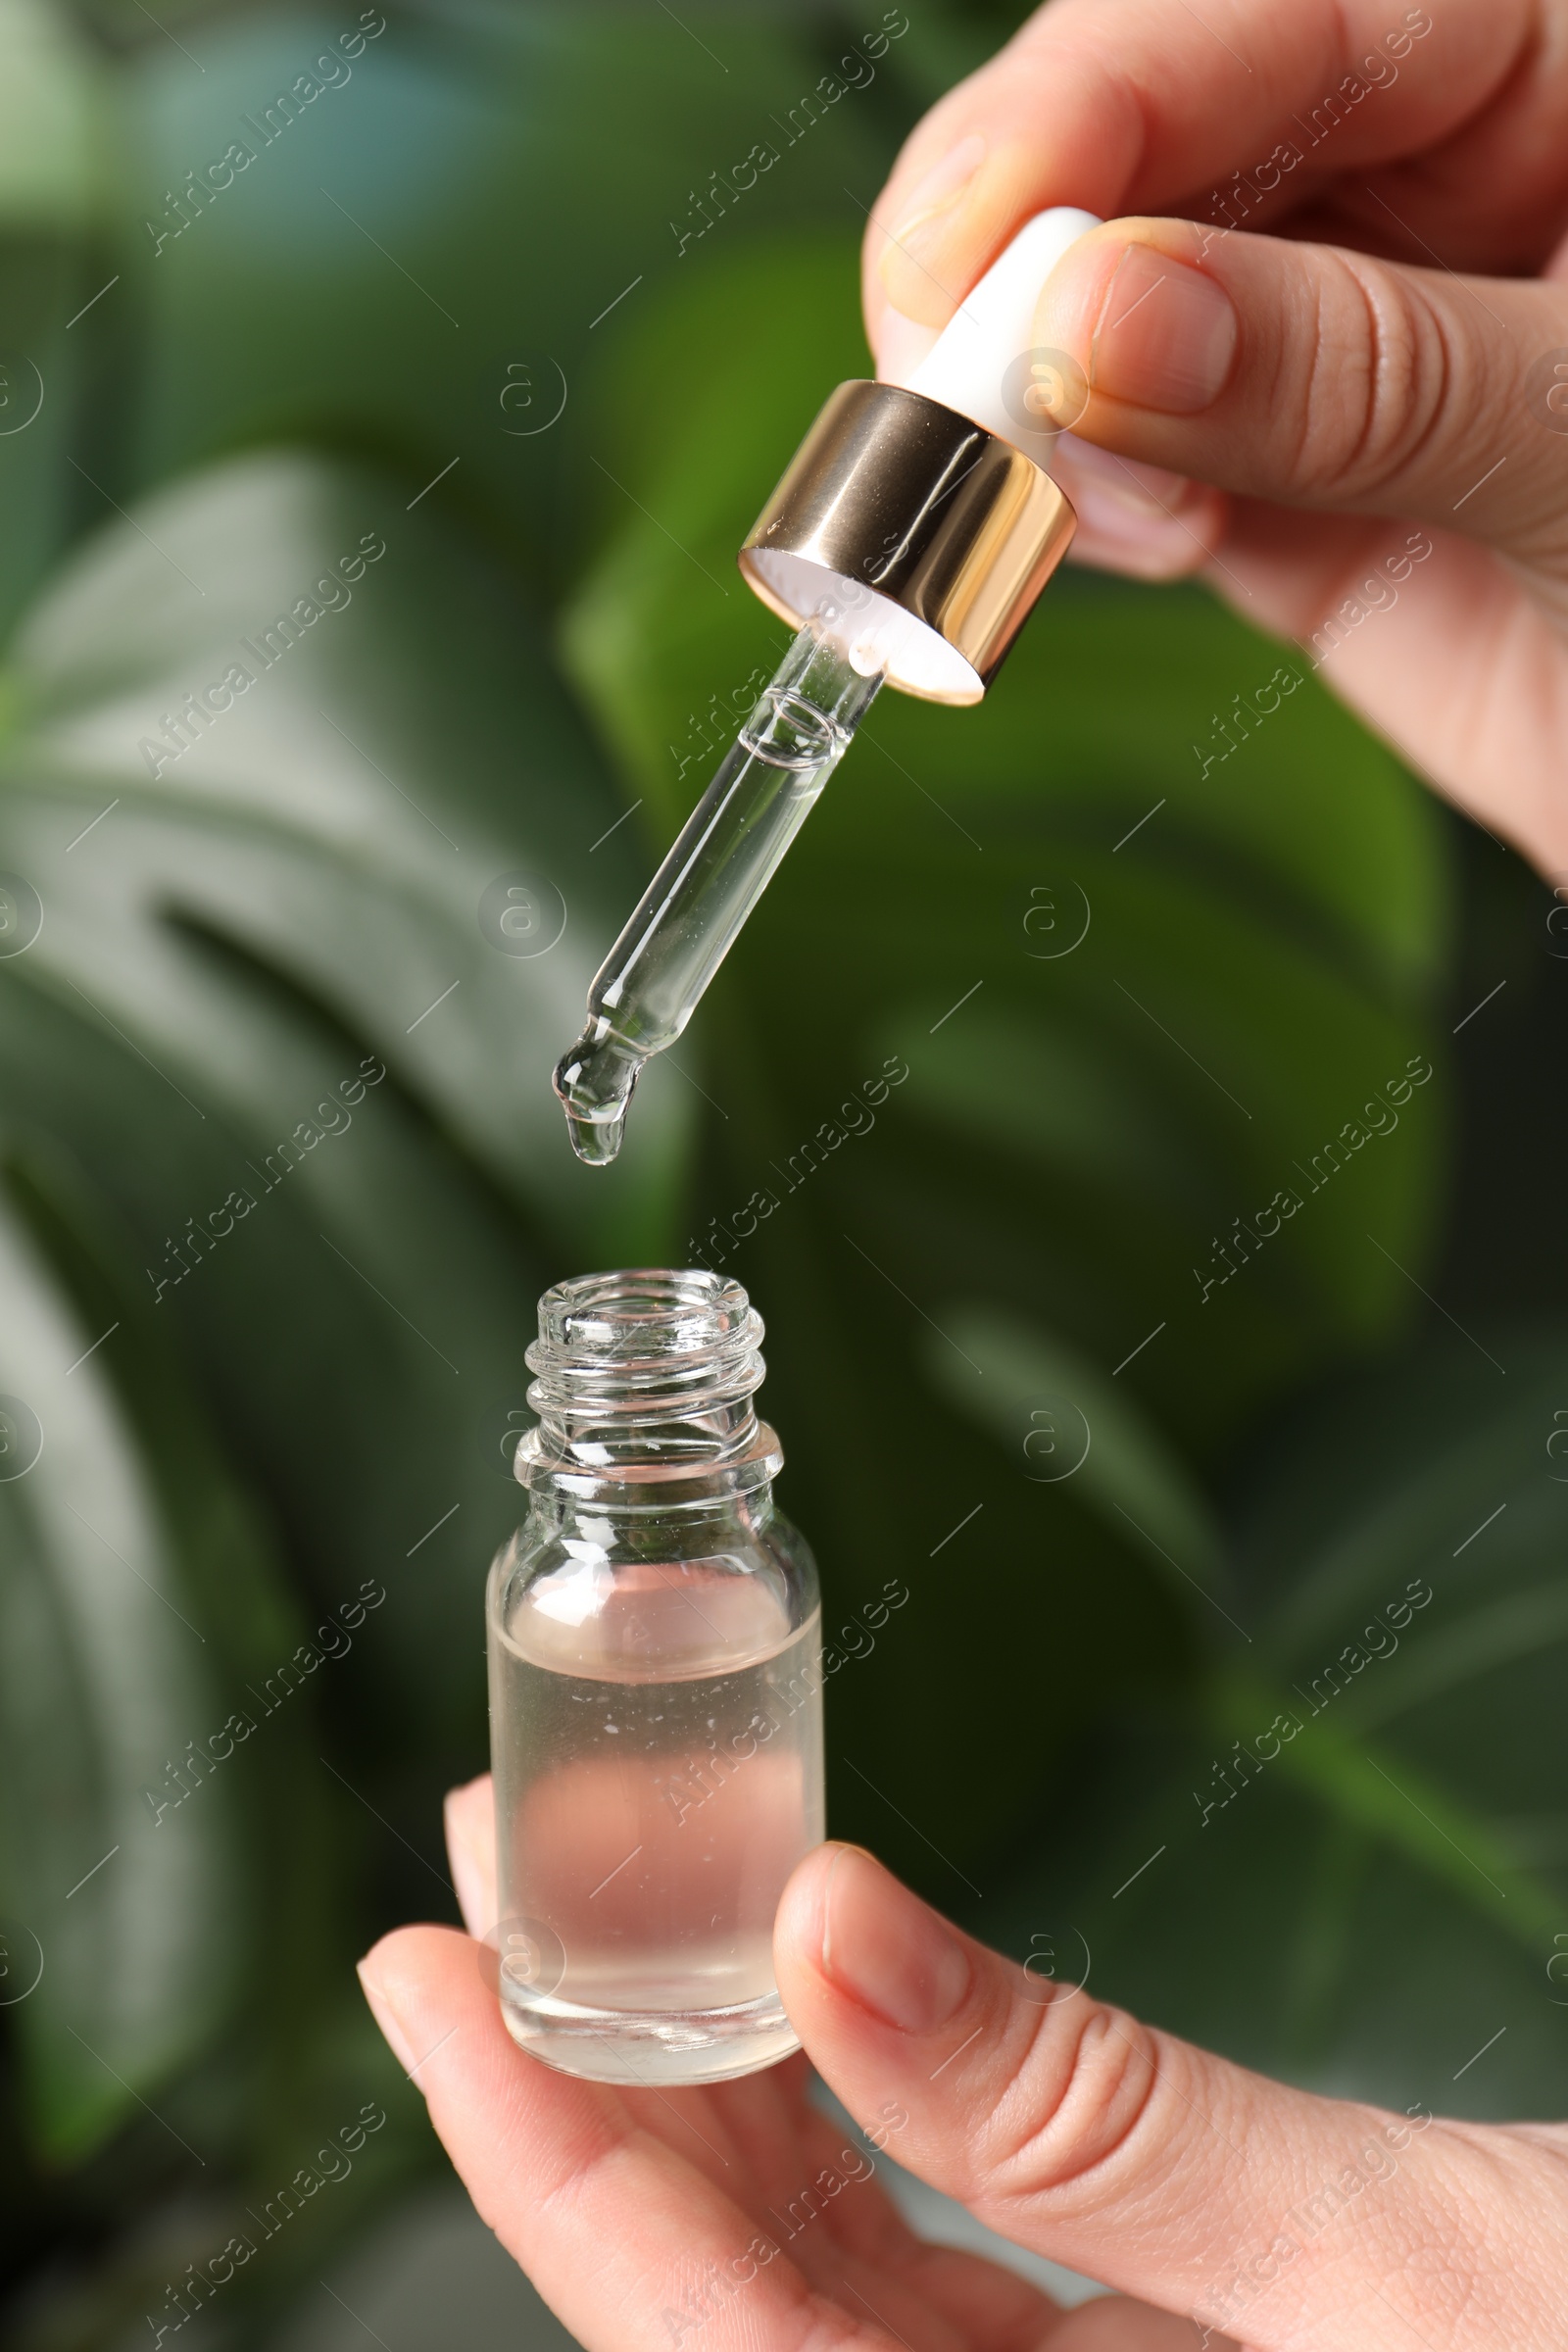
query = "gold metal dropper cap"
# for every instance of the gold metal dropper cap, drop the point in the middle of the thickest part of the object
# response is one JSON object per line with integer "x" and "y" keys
{"x": 907, "y": 502}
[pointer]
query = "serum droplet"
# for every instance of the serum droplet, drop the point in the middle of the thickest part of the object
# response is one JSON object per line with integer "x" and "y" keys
{"x": 593, "y": 1082}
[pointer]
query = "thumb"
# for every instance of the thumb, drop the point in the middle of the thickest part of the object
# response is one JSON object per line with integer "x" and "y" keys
{"x": 1311, "y": 376}
{"x": 1260, "y": 2212}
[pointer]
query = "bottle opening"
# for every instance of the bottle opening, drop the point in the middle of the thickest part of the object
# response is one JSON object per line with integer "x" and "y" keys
{"x": 646, "y": 1373}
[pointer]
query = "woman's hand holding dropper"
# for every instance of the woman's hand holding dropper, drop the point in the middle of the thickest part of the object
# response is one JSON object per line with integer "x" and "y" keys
{"x": 1328, "y": 312}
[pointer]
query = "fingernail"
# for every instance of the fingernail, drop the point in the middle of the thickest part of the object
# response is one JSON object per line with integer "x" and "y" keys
{"x": 902, "y": 343}
{"x": 910, "y": 265}
{"x": 1165, "y": 337}
{"x": 884, "y": 1948}
{"x": 1119, "y": 497}
{"x": 384, "y": 2014}
{"x": 1115, "y": 525}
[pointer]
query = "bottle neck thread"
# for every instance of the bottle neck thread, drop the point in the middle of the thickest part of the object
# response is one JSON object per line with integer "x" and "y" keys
{"x": 643, "y": 1386}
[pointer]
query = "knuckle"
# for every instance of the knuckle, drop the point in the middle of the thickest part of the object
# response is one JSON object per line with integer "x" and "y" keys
{"x": 1076, "y": 2097}
{"x": 1381, "y": 383}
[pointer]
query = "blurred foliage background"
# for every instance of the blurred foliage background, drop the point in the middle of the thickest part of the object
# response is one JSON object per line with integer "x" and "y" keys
{"x": 445, "y": 311}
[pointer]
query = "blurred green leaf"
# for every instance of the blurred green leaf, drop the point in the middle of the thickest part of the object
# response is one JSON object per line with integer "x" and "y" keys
{"x": 1371, "y": 1899}
{"x": 1117, "y": 1038}
{"x": 51, "y": 141}
{"x": 276, "y": 916}
{"x": 48, "y": 179}
{"x": 356, "y": 641}
{"x": 271, "y": 1004}
{"x": 1060, "y": 1415}
{"x": 451, "y": 222}
{"x": 1193, "y": 978}
{"x": 138, "y": 1593}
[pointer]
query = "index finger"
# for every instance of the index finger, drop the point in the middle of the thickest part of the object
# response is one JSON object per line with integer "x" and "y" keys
{"x": 1155, "y": 105}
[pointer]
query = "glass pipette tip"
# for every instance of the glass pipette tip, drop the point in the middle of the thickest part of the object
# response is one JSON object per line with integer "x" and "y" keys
{"x": 726, "y": 854}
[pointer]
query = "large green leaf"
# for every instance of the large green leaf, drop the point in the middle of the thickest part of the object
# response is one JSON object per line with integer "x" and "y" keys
{"x": 264, "y": 996}
{"x": 138, "y": 1597}
{"x": 1352, "y": 1860}
{"x": 1254, "y": 960}
{"x": 1060, "y": 1419}
{"x": 1119, "y": 1036}
{"x": 280, "y": 829}
{"x": 423, "y": 255}
{"x": 293, "y": 903}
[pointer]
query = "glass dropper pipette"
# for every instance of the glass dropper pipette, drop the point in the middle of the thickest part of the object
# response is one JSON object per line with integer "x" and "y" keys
{"x": 726, "y": 854}
{"x": 910, "y": 533}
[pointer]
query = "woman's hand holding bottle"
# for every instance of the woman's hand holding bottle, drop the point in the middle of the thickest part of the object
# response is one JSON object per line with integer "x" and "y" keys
{"x": 739, "y": 2216}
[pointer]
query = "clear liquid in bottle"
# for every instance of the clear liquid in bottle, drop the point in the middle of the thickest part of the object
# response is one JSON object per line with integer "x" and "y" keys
{"x": 654, "y": 1693}
{"x": 653, "y": 1820}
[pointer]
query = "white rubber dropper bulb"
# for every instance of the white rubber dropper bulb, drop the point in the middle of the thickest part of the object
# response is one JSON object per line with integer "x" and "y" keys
{"x": 967, "y": 367}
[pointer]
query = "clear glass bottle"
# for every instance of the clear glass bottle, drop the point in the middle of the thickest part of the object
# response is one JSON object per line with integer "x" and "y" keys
{"x": 655, "y": 1637}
